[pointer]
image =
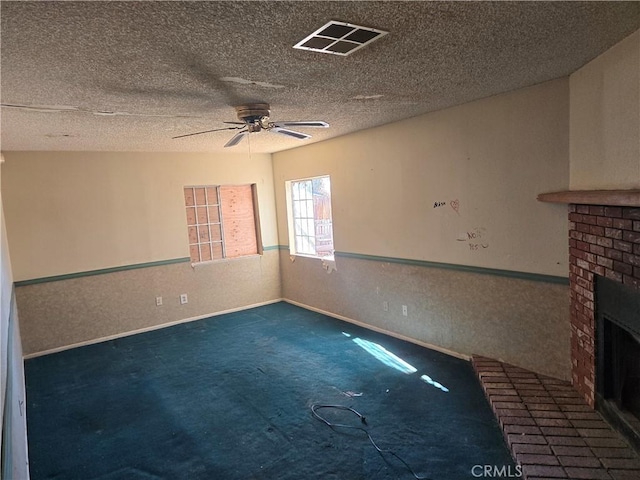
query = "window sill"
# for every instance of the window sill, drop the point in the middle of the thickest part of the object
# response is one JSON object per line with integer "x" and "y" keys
{"x": 225, "y": 260}
{"x": 329, "y": 258}
{"x": 328, "y": 261}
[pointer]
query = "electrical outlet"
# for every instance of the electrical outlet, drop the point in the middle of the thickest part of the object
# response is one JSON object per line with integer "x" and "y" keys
{"x": 158, "y": 301}
{"x": 404, "y": 310}
{"x": 385, "y": 306}
{"x": 184, "y": 299}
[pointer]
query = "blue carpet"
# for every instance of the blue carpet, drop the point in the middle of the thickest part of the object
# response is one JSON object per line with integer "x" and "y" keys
{"x": 229, "y": 397}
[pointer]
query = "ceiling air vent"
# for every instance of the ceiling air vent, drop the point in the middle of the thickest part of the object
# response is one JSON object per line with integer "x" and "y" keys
{"x": 339, "y": 38}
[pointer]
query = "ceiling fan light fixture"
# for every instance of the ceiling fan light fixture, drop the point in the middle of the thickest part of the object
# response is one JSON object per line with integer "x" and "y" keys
{"x": 339, "y": 38}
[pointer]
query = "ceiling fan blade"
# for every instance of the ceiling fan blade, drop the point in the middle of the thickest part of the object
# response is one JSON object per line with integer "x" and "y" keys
{"x": 291, "y": 133}
{"x": 236, "y": 139}
{"x": 208, "y": 131}
{"x": 311, "y": 124}
{"x": 235, "y": 123}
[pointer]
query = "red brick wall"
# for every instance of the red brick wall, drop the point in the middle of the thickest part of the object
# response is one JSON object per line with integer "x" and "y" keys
{"x": 602, "y": 241}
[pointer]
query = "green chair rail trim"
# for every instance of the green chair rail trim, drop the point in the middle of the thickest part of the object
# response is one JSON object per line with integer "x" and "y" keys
{"x": 102, "y": 271}
{"x": 536, "y": 277}
{"x": 68, "y": 276}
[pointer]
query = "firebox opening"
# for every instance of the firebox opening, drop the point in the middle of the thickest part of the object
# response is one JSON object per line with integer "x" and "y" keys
{"x": 622, "y": 371}
{"x": 618, "y": 357}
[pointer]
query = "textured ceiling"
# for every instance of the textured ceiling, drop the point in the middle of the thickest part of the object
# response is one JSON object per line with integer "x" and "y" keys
{"x": 171, "y": 68}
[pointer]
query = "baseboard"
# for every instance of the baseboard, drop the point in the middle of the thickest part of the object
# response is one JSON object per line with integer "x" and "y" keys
{"x": 148, "y": 329}
{"x": 399, "y": 336}
{"x": 247, "y": 307}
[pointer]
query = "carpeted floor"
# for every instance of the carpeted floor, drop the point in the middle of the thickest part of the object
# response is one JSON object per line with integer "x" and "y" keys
{"x": 230, "y": 397}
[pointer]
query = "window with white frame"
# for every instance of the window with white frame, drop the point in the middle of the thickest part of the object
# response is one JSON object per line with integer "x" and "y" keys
{"x": 309, "y": 214}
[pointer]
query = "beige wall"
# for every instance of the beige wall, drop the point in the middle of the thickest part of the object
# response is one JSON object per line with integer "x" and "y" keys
{"x": 605, "y": 119}
{"x": 70, "y": 212}
{"x": 493, "y": 156}
{"x": 76, "y": 211}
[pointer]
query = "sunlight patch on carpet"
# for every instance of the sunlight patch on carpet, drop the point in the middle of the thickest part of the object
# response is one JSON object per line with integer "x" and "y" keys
{"x": 385, "y": 356}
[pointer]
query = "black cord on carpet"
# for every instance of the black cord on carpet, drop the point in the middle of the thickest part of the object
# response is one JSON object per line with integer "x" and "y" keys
{"x": 314, "y": 409}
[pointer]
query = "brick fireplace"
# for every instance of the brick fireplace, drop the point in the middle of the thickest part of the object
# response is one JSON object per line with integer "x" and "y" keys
{"x": 604, "y": 241}
{"x": 577, "y": 430}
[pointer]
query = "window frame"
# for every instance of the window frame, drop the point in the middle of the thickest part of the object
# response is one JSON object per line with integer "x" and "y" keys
{"x": 221, "y": 222}
{"x": 291, "y": 219}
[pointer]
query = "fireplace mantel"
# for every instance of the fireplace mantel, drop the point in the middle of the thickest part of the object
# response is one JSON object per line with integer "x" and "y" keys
{"x": 618, "y": 198}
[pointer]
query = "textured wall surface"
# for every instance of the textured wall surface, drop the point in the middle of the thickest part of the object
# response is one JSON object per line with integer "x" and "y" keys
{"x": 605, "y": 119}
{"x": 522, "y": 322}
{"x": 66, "y": 312}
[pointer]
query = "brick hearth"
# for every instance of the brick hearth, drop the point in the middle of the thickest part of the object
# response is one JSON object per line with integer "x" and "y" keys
{"x": 603, "y": 240}
{"x": 550, "y": 429}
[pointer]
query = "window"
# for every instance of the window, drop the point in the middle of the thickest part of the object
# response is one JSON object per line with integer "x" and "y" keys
{"x": 310, "y": 224}
{"x": 222, "y": 222}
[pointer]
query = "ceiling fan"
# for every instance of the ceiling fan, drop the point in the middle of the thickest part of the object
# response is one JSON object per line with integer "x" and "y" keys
{"x": 254, "y": 117}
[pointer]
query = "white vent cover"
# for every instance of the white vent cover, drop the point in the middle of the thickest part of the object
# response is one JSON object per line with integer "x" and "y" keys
{"x": 339, "y": 38}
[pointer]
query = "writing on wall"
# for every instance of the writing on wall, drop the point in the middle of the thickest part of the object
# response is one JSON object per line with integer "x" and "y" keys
{"x": 454, "y": 204}
{"x": 476, "y": 239}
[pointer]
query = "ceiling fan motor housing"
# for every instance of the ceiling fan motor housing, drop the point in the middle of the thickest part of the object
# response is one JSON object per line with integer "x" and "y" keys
{"x": 255, "y": 115}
